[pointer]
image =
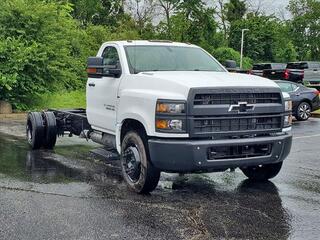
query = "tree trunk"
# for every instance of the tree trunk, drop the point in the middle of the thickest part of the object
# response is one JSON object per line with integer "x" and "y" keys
{"x": 5, "y": 107}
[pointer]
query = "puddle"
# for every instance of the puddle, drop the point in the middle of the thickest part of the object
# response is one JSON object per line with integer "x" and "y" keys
{"x": 18, "y": 162}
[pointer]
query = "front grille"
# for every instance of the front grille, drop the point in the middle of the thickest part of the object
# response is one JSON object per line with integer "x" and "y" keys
{"x": 234, "y": 124}
{"x": 239, "y": 151}
{"x": 210, "y": 113}
{"x": 234, "y": 98}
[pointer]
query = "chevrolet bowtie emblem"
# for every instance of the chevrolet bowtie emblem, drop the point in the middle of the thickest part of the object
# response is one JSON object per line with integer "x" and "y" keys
{"x": 241, "y": 107}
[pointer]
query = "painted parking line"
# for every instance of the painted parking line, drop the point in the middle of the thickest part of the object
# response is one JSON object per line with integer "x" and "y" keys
{"x": 310, "y": 136}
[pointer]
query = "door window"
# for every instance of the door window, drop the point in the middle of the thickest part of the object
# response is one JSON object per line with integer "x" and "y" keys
{"x": 294, "y": 87}
{"x": 285, "y": 87}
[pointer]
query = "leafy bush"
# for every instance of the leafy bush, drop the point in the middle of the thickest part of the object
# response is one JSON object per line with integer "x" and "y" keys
{"x": 224, "y": 53}
{"x": 40, "y": 49}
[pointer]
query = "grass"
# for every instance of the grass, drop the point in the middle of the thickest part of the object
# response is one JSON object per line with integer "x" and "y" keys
{"x": 318, "y": 111}
{"x": 60, "y": 100}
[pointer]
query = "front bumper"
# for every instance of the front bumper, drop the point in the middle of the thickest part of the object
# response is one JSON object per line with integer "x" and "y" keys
{"x": 192, "y": 155}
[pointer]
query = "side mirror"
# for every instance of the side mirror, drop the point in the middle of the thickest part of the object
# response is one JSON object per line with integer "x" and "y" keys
{"x": 113, "y": 70}
{"x": 97, "y": 69}
{"x": 230, "y": 64}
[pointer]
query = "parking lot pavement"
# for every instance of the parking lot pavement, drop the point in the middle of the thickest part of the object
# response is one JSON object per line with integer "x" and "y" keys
{"x": 68, "y": 194}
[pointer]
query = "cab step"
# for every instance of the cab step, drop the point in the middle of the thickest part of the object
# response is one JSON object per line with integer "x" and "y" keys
{"x": 107, "y": 155}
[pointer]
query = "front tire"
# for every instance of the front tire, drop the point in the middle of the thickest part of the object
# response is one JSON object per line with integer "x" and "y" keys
{"x": 138, "y": 172}
{"x": 303, "y": 111}
{"x": 263, "y": 172}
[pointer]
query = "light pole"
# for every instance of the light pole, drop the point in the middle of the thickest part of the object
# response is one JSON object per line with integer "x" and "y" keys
{"x": 242, "y": 41}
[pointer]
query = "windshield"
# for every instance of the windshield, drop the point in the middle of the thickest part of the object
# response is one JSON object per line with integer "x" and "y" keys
{"x": 169, "y": 58}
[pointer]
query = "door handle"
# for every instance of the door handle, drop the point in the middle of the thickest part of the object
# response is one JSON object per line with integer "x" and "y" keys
{"x": 297, "y": 94}
{"x": 92, "y": 85}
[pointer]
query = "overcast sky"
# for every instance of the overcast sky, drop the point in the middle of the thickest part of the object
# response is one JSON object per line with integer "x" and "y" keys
{"x": 278, "y": 7}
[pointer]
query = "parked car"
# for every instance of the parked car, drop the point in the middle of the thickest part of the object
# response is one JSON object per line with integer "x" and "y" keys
{"x": 304, "y": 100}
{"x": 259, "y": 68}
{"x": 275, "y": 72}
{"x": 299, "y": 72}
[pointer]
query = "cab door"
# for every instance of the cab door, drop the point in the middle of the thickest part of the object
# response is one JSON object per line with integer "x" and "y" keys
{"x": 102, "y": 95}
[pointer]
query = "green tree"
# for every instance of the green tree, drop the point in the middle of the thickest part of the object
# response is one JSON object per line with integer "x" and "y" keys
{"x": 98, "y": 12}
{"x": 262, "y": 38}
{"x": 40, "y": 49}
{"x": 286, "y": 53}
{"x": 235, "y": 10}
{"x": 224, "y": 53}
{"x": 168, "y": 6}
{"x": 305, "y": 28}
{"x": 194, "y": 23}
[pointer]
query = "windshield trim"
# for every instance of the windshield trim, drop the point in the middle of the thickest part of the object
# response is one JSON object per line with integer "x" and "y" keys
{"x": 134, "y": 71}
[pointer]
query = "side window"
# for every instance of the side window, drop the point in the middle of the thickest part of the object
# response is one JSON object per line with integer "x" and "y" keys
{"x": 314, "y": 65}
{"x": 311, "y": 65}
{"x": 294, "y": 87}
{"x": 111, "y": 57}
{"x": 285, "y": 87}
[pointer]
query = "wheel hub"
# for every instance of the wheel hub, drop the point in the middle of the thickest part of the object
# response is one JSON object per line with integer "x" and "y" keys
{"x": 29, "y": 133}
{"x": 132, "y": 163}
{"x": 304, "y": 111}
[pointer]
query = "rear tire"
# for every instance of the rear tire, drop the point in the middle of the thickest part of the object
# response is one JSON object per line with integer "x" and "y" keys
{"x": 303, "y": 111}
{"x": 50, "y": 130}
{"x": 35, "y": 130}
{"x": 140, "y": 175}
{"x": 263, "y": 172}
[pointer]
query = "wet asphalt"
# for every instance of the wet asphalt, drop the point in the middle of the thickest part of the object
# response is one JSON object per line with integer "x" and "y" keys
{"x": 69, "y": 193}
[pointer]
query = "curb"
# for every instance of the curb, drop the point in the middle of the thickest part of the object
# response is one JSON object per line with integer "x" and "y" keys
{"x": 315, "y": 115}
{"x": 13, "y": 116}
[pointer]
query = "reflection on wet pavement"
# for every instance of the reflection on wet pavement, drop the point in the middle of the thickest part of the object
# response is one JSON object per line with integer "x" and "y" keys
{"x": 204, "y": 206}
{"x": 16, "y": 161}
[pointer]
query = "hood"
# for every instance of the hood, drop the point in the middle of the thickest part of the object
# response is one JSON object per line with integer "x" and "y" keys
{"x": 196, "y": 79}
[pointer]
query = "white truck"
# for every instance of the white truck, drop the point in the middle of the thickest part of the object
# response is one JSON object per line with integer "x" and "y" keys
{"x": 166, "y": 106}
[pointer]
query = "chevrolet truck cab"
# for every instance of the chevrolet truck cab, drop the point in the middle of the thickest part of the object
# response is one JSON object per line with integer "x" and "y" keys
{"x": 166, "y": 106}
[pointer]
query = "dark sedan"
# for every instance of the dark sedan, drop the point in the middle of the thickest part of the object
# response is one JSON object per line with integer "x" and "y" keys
{"x": 304, "y": 100}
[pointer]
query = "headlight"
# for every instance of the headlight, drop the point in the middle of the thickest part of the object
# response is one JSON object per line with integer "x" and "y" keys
{"x": 288, "y": 105}
{"x": 173, "y": 108}
{"x": 171, "y": 116}
{"x": 287, "y": 121}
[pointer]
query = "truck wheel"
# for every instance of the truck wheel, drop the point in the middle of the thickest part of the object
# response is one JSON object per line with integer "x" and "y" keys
{"x": 137, "y": 169}
{"x": 303, "y": 111}
{"x": 263, "y": 172}
{"x": 50, "y": 130}
{"x": 35, "y": 130}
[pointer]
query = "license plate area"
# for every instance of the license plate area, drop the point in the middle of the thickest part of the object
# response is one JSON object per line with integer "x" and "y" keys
{"x": 239, "y": 151}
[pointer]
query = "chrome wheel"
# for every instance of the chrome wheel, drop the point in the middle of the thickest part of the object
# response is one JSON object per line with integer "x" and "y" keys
{"x": 29, "y": 133}
{"x": 304, "y": 111}
{"x": 132, "y": 163}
